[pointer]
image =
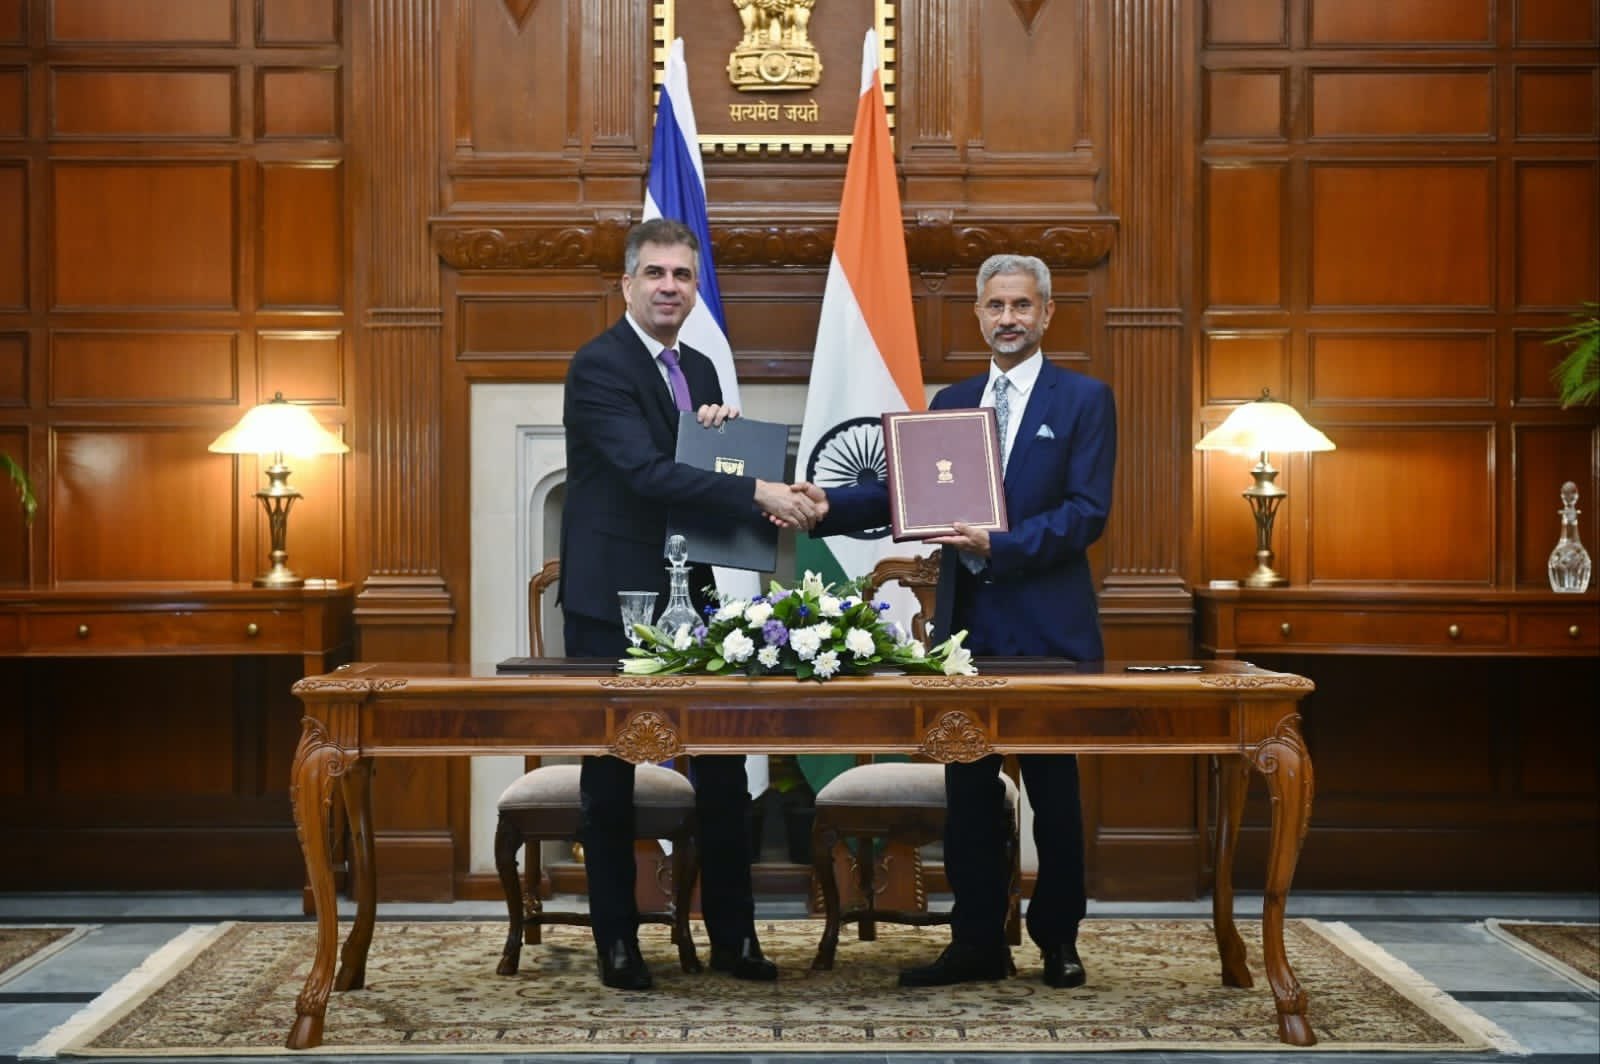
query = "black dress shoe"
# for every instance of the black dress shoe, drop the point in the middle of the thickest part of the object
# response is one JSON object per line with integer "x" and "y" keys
{"x": 622, "y": 967}
{"x": 743, "y": 962}
{"x": 1062, "y": 968}
{"x": 961, "y": 963}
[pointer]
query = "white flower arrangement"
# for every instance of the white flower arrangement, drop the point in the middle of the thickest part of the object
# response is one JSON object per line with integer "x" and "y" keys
{"x": 815, "y": 631}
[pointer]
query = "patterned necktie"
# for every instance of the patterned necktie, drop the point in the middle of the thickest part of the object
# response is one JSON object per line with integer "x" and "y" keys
{"x": 1002, "y": 414}
{"x": 680, "y": 386}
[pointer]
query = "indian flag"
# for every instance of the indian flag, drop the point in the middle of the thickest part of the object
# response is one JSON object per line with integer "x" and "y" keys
{"x": 865, "y": 362}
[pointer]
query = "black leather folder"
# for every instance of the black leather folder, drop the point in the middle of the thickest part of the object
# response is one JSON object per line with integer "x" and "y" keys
{"x": 741, "y": 447}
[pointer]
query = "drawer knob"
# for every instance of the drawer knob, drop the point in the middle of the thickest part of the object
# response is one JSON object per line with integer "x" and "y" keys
{"x": 1575, "y": 631}
{"x": 252, "y": 629}
{"x": 1284, "y": 628}
{"x": 1454, "y": 631}
{"x": 83, "y": 631}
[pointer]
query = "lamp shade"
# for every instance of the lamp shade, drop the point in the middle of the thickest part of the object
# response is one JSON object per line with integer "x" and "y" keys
{"x": 278, "y": 427}
{"x": 1262, "y": 425}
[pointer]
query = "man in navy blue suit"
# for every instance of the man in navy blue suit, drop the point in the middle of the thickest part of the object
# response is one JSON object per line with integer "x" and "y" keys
{"x": 1027, "y": 591}
{"x": 624, "y": 391}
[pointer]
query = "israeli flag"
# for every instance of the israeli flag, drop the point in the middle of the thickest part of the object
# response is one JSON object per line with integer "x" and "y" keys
{"x": 676, "y": 189}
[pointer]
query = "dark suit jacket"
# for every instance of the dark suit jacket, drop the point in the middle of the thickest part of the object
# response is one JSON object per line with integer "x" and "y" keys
{"x": 622, "y": 430}
{"x": 1036, "y": 596}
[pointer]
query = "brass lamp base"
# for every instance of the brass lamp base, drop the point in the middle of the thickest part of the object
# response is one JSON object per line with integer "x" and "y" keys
{"x": 277, "y": 499}
{"x": 1264, "y": 497}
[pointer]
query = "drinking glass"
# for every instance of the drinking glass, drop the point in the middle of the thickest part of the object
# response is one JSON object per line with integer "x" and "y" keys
{"x": 638, "y": 607}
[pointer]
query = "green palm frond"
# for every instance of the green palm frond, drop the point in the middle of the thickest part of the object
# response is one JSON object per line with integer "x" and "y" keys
{"x": 19, "y": 477}
{"x": 1577, "y": 376}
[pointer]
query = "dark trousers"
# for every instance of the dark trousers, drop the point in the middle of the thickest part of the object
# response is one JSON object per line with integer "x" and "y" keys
{"x": 722, "y": 803}
{"x": 975, "y": 850}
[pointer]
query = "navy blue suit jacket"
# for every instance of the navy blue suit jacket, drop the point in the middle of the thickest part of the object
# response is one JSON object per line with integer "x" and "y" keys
{"x": 622, "y": 432}
{"x": 1036, "y": 596}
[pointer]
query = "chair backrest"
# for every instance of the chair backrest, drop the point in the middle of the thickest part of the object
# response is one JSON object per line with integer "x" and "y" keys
{"x": 919, "y": 575}
{"x": 547, "y": 575}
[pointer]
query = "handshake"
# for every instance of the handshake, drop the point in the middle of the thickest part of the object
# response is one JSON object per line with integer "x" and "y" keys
{"x": 798, "y": 506}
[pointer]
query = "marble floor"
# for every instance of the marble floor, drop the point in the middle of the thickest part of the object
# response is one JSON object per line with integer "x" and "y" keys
{"x": 1440, "y": 935}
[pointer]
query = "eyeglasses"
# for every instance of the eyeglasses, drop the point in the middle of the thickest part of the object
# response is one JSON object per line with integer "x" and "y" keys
{"x": 1022, "y": 308}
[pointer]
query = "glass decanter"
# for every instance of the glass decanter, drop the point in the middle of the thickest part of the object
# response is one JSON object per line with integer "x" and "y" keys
{"x": 680, "y": 610}
{"x": 1569, "y": 562}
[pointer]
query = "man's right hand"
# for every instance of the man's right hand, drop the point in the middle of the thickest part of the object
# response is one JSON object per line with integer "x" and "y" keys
{"x": 786, "y": 507}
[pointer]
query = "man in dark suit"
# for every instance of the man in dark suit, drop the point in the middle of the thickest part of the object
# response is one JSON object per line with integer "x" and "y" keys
{"x": 1027, "y": 591}
{"x": 624, "y": 391}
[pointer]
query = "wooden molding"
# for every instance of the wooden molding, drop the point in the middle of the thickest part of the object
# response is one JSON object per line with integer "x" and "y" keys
{"x": 936, "y": 242}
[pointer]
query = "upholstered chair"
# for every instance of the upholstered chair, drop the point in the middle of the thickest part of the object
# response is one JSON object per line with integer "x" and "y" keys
{"x": 543, "y": 804}
{"x": 898, "y": 802}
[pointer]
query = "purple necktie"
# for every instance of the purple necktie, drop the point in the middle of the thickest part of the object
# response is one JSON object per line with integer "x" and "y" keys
{"x": 680, "y": 386}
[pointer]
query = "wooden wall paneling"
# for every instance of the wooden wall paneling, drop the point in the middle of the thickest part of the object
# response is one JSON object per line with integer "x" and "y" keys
{"x": 1246, "y": 105}
{"x": 1246, "y": 23}
{"x": 148, "y": 104}
{"x": 298, "y": 22}
{"x": 14, "y": 533}
{"x": 1403, "y": 24}
{"x": 1425, "y": 498}
{"x": 148, "y": 22}
{"x": 1434, "y": 224}
{"x": 140, "y": 503}
{"x": 516, "y": 86}
{"x": 1557, "y": 104}
{"x": 13, "y": 369}
{"x": 14, "y": 247}
{"x": 302, "y": 262}
{"x": 13, "y": 102}
{"x": 297, "y": 104}
{"x": 1245, "y": 235}
{"x": 102, "y": 367}
{"x": 406, "y": 609}
{"x": 1380, "y": 105}
{"x": 1395, "y": 369}
{"x": 1237, "y": 364}
{"x": 1534, "y": 360}
{"x": 1558, "y": 229}
{"x": 1563, "y": 22}
{"x": 179, "y": 250}
{"x": 307, "y": 365}
{"x": 13, "y": 23}
{"x": 1544, "y": 457}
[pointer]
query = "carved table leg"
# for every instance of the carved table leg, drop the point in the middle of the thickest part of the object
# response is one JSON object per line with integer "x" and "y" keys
{"x": 822, "y": 843}
{"x": 356, "y": 786}
{"x": 317, "y": 764}
{"x": 1233, "y": 779}
{"x": 1286, "y": 765}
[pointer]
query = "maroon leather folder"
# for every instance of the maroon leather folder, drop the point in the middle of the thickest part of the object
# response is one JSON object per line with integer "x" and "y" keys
{"x": 944, "y": 467}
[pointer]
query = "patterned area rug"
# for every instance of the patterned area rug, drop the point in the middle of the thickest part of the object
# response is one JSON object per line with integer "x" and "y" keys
{"x": 431, "y": 987}
{"x": 23, "y": 947}
{"x": 1570, "y": 949}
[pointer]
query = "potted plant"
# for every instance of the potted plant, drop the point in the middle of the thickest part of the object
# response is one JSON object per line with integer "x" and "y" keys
{"x": 1577, "y": 376}
{"x": 19, "y": 477}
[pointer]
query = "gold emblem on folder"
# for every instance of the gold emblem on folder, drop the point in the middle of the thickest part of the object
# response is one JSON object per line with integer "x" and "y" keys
{"x": 945, "y": 476}
{"x": 732, "y": 466}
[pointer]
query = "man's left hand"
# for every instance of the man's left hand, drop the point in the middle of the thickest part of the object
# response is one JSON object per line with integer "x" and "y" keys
{"x": 712, "y": 416}
{"x": 967, "y": 538}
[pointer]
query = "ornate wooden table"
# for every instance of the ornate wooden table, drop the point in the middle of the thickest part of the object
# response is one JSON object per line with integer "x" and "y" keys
{"x": 1242, "y": 715}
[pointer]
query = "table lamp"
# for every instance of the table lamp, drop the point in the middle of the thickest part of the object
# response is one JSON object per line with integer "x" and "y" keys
{"x": 1255, "y": 428}
{"x": 278, "y": 428}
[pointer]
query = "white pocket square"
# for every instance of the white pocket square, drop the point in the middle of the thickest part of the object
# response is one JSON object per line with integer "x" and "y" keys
{"x": 1044, "y": 433}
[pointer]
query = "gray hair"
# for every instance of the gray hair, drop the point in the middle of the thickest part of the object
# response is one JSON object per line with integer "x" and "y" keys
{"x": 1013, "y": 264}
{"x": 663, "y": 232}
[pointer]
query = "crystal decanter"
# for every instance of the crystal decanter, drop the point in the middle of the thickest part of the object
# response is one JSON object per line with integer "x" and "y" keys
{"x": 680, "y": 610}
{"x": 1569, "y": 562}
